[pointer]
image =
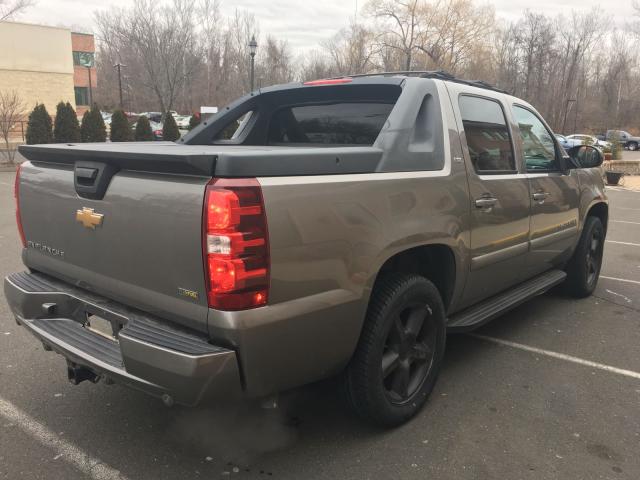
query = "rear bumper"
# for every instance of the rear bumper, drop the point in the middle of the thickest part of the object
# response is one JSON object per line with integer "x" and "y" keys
{"x": 150, "y": 355}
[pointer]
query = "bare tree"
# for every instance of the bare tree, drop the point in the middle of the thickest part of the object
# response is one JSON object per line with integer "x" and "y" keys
{"x": 11, "y": 111}
{"x": 10, "y": 8}
{"x": 160, "y": 40}
{"x": 400, "y": 25}
{"x": 455, "y": 31}
{"x": 442, "y": 34}
{"x": 315, "y": 65}
{"x": 579, "y": 72}
{"x": 274, "y": 64}
{"x": 352, "y": 50}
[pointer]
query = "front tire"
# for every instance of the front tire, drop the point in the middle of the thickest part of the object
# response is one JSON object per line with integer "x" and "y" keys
{"x": 632, "y": 146}
{"x": 584, "y": 268}
{"x": 398, "y": 357}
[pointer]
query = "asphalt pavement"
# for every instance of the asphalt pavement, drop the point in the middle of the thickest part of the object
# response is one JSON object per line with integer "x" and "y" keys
{"x": 550, "y": 390}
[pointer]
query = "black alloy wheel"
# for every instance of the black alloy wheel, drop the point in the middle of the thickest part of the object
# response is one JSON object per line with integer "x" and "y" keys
{"x": 584, "y": 267}
{"x": 398, "y": 357}
{"x": 593, "y": 256}
{"x": 409, "y": 351}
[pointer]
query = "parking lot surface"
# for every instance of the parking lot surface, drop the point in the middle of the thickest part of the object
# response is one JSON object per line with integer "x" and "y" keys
{"x": 550, "y": 390}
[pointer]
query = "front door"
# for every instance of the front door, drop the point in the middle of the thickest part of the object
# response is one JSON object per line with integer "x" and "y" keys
{"x": 500, "y": 199}
{"x": 554, "y": 194}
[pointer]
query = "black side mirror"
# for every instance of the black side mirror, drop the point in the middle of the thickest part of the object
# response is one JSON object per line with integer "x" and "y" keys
{"x": 586, "y": 156}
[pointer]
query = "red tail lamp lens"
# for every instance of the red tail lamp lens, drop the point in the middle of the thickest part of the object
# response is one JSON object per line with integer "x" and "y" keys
{"x": 16, "y": 194}
{"x": 236, "y": 244}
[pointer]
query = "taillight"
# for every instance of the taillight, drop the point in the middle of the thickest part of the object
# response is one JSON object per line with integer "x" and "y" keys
{"x": 16, "y": 194}
{"x": 236, "y": 244}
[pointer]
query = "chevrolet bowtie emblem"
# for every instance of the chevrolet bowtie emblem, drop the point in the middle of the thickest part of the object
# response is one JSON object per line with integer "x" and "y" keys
{"x": 88, "y": 218}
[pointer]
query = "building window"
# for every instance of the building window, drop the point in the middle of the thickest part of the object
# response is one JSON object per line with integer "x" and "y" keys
{"x": 82, "y": 95}
{"x": 83, "y": 59}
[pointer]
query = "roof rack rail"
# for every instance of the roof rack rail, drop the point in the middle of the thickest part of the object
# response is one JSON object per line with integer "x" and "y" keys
{"x": 437, "y": 74}
{"x": 442, "y": 75}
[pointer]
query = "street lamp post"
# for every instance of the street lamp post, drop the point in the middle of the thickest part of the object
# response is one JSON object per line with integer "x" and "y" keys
{"x": 253, "y": 45}
{"x": 119, "y": 67}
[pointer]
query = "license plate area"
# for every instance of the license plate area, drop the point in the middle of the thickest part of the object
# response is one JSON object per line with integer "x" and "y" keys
{"x": 98, "y": 325}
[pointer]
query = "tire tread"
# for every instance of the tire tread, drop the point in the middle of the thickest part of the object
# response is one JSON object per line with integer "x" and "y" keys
{"x": 358, "y": 376}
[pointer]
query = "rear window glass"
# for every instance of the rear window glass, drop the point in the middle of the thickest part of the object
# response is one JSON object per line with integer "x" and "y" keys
{"x": 330, "y": 124}
{"x": 487, "y": 135}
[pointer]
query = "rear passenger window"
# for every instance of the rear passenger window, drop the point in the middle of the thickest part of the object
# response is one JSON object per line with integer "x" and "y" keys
{"x": 488, "y": 138}
{"x": 333, "y": 124}
{"x": 538, "y": 146}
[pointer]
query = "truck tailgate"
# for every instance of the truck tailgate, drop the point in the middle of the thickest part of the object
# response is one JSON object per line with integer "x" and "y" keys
{"x": 141, "y": 245}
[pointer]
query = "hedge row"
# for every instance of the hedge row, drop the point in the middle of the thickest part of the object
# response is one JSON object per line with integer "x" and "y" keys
{"x": 67, "y": 129}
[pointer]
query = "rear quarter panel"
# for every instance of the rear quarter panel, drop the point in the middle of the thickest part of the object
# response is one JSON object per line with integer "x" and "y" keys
{"x": 329, "y": 236}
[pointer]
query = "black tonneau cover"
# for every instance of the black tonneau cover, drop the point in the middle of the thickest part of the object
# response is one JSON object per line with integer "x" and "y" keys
{"x": 210, "y": 160}
{"x": 163, "y": 157}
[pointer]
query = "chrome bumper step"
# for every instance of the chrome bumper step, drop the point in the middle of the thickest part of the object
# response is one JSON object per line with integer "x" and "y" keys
{"x": 147, "y": 353}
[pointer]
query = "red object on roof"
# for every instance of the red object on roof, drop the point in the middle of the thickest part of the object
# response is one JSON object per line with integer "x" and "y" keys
{"x": 329, "y": 81}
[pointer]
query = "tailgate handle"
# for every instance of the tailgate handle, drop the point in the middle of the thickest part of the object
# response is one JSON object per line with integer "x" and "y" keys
{"x": 86, "y": 176}
{"x": 91, "y": 179}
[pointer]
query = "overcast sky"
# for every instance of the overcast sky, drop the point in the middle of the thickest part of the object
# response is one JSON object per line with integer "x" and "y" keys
{"x": 304, "y": 23}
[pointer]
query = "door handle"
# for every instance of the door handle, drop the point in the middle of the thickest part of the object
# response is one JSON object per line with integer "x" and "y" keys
{"x": 486, "y": 202}
{"x": 540, "y": 197}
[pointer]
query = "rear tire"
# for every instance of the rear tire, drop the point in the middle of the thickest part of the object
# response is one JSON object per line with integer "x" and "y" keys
{"x": 398, "y": 357}
{"x": 584, "y": 267}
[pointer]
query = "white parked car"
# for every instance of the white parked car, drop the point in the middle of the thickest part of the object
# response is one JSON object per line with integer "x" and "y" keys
{"x": 106, "y": 117}
{"x": 182, "y": 121}
{"x": 579, "y": 139}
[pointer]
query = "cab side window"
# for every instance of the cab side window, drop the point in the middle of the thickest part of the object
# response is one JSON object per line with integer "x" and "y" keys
{"x": 538, "y": 146}
{"x": 488, "y": 138}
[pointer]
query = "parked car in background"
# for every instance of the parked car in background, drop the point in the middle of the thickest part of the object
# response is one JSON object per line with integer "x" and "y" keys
{"x": 576, "y": 140}
{"x": 157, "y": 129}
{"x": 562, "y": 140}
{"x": 625, "y": 138}
{"x": 152, "y": 116}
{"x": 106, "y": 117}
{"x": 182, "y": 121}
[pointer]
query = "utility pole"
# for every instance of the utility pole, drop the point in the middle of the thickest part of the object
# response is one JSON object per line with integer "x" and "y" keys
{"x": 119, "y": 66}
{"x": 90, "y": 87}
{"x": 566, "y": 112}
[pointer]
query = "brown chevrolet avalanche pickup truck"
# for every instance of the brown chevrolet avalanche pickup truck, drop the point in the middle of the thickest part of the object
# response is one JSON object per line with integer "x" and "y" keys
{"x": 334, "y": 227}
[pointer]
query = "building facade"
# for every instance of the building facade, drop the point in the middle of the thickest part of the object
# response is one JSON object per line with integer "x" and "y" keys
{"x": 47, "y": 65}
